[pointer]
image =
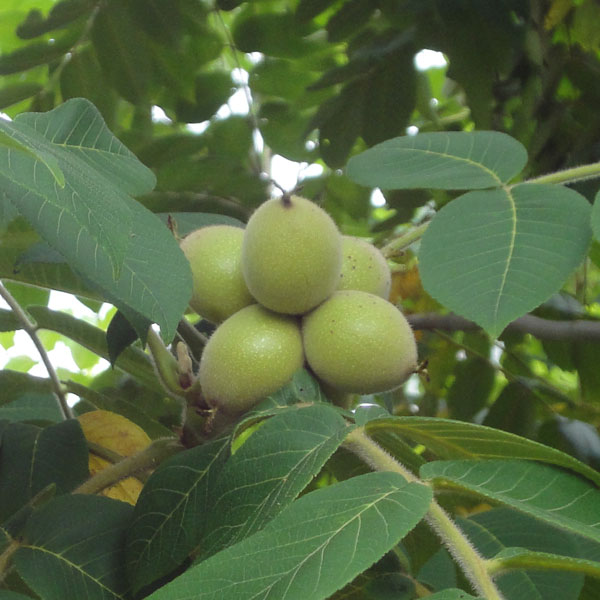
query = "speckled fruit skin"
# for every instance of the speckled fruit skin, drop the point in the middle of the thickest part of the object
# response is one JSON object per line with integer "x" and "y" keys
{"x": 291, "y": 255}
{"x": 214, "y": 254}
{"x": 357, "y": 342}
{"x": 364, "y": 268}
{"x": 249, "y": 356}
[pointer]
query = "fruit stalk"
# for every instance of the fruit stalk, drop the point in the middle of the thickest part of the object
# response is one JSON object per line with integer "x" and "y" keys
{"x": 165, "y": 365}
{"x": 471, "y": 562}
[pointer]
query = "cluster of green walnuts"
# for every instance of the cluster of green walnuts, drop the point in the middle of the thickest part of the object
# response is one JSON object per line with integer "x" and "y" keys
{"x": 290, "y": 291}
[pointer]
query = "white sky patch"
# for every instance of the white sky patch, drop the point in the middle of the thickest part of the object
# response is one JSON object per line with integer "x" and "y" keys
{"x": 60, "y": 355}
{"x": 239, "y": 76}
{"x": 428, "y": 59}
{"x": 377, "y": 198}
{"x": 159, "y": 115}
{"x": 68, "y": 302}
{"x": 198, "y": 128}
{"x": 288, "y": 173}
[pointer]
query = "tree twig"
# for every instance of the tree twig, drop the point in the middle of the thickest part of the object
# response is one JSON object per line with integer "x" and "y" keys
{"x": 30, "y": 328}
{"x": 543, "y": 329}
{"x": 404, "y": 240}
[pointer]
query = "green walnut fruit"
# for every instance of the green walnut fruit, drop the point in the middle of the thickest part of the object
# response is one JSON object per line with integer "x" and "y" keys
{"x": 249, "y": 356}
{"x": 214, "y": 254}
{"x": 358, "y": 342}
{"x": 291, "y": 255}
{"x": 364, "y": 268}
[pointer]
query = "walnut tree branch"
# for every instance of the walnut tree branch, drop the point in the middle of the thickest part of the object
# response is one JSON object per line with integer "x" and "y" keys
{"x": 543, "y": 329}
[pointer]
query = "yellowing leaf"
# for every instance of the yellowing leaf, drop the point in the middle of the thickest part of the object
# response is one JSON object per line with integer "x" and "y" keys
{"x": 407, "y": 291}
{"x": 557, "y": 12}
{"x": 127, "y": 490}
{"x": 114, "y": 432}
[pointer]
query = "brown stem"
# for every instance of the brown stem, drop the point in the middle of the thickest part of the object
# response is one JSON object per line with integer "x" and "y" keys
{"x": 543, "y": 329}
{"x": 30, "y": 328}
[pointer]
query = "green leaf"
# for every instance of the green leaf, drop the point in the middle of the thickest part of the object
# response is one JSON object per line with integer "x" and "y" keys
{"x": 274, "y": 34}
{"x": 348, "y": 19}
{"x": 596, "y": 217}
{"x": 15, "y": 241}
{"x": 455, "y": 439}
{"x": 514, "y": 410}
{"x": 33, "y": 458}
{"x": 558, "y": 498}
{"x": 123, "y": 404}
{"x": 494, "y": 255}
{"x": 132, "y": 360}
{"x": 314, "y": 547}
{"x": 450, "y": 161}
{"x": 473, "y": 383}
{"x": 120, "y": 335}
{"x": 340, "y": 122}
{"x": 577, "y": 438}
{"x": 38, "y": 53}
{"x": 8, "y": 595}
{"x": 33, "y": 407}
{"x": 251, "y": 489}
{"x": 11, "y": 94}
{"x": 284, "y": 129}
{"x": 279, "y": 77}
{"x": 27, "y": 295}
{"x": 212, "y": 90}
{"x": 15, "y": 384}
{"x": 12, "y": 139}
{"x": 9, "y": 321}
{"x": 302, "y": 389}
{"x": 75, "y": 128}
{"x": 62, "y": 14}
{"x": 124, "y": 52}
{"x": 501, "y": 530}
{"x": 390, "y": 96}
{"x": 308, "y": 9}
{"x": 87, "y": 218}
{"x": 439, "y": 572}
{"x": 20, "y": 363}
{"x": 374, "y": 585}
{"x": 82, "y": 77}
{"x": 156, "y": 282}
{"x": 67, "y": 554}
{"x": 186, "y": 222}
{"x": 171, "y": 512}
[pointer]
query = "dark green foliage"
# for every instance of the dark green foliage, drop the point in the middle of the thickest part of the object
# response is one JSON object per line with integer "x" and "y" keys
{"x": 132, "y": 123}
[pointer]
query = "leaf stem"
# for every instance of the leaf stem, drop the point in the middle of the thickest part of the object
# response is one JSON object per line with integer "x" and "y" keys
{"x": 148, "y": 458}
{"x": 404, "y": 241}
{"x": 258, "y": 166}
{"x": 472, "y": 563}
{"x": 5, "y": 557}
{"x": 569, "y": 175}
{"x": 30, "y": 328}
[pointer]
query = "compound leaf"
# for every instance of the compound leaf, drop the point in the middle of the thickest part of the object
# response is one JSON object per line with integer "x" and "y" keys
{"x": 456, "y": 160}
{"x": 67, "y": 554}
{"x": 560, "y": 499}
{"x": 494, "y": 255}
{"x": 312, "y": 548}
